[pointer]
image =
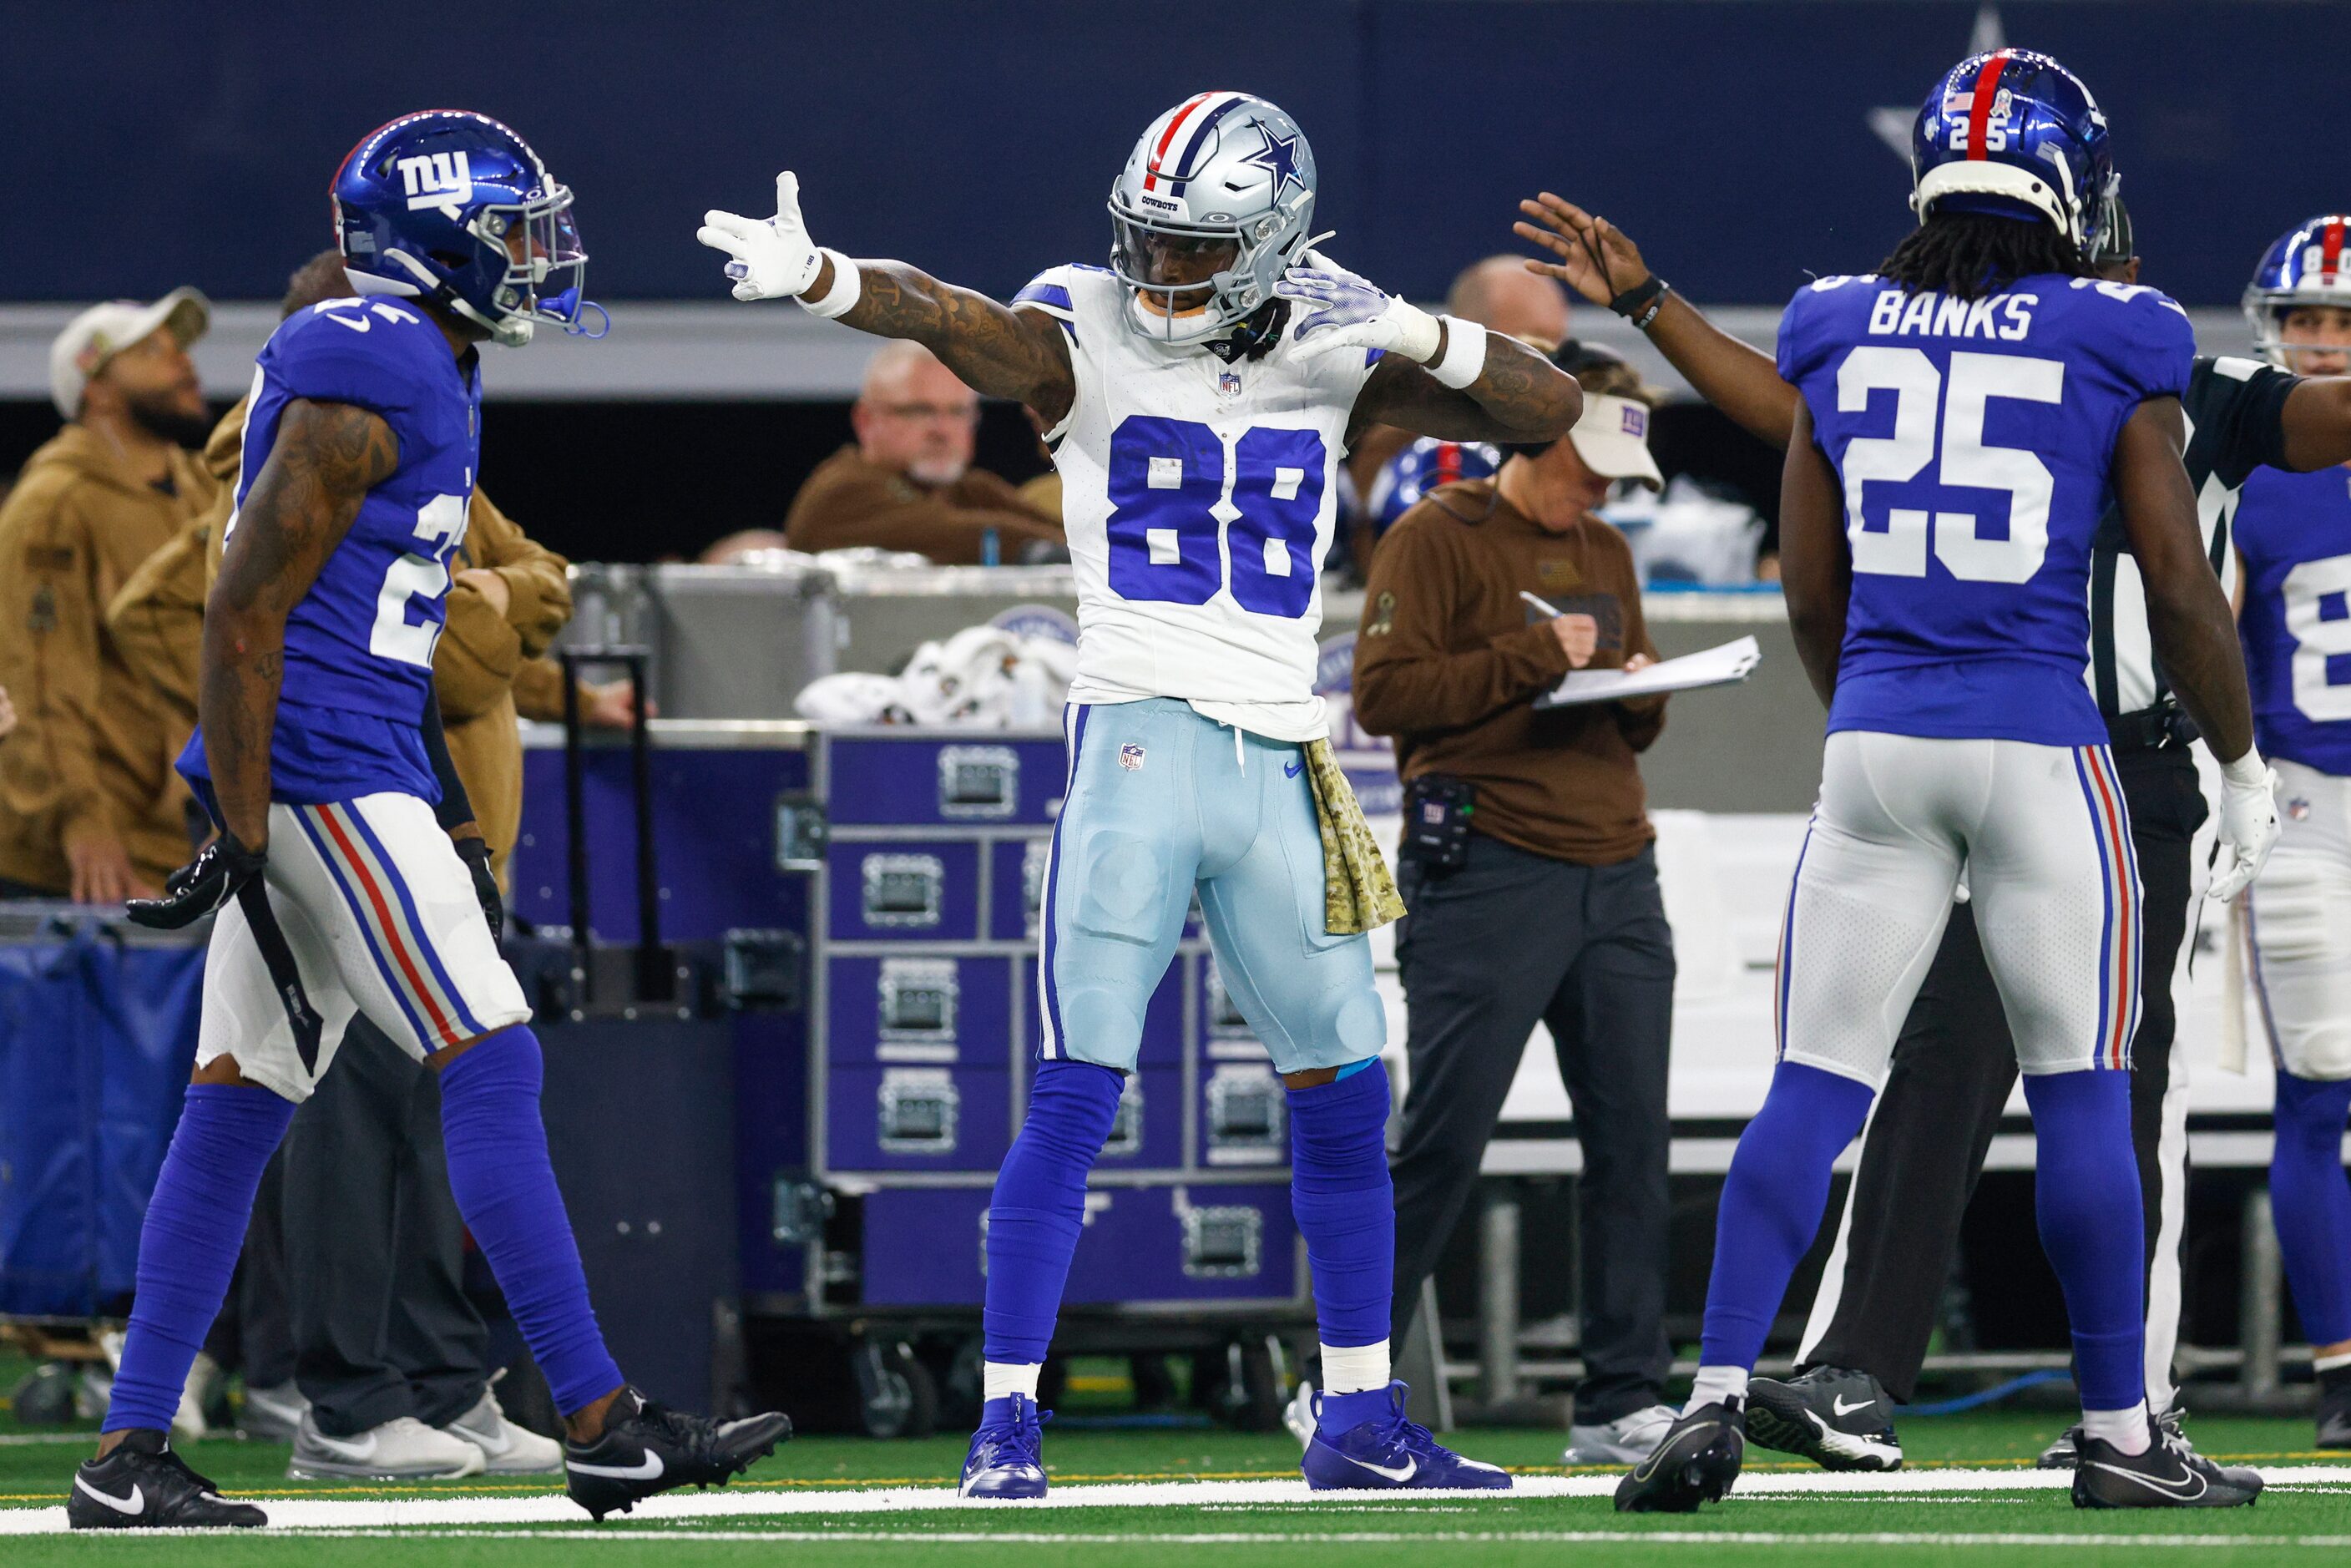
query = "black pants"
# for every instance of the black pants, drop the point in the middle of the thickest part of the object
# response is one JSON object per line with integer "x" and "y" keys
{"x": 375, "y": 1250}
{"x": 1953, "y": 1067}
{"x": 1507, "y": 939}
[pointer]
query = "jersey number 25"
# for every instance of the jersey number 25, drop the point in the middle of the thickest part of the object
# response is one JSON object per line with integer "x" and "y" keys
{"x": 1899, "y": 548}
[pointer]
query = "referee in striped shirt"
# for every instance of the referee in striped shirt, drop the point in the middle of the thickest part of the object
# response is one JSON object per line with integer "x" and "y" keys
{"x": 1954, "y": 1064}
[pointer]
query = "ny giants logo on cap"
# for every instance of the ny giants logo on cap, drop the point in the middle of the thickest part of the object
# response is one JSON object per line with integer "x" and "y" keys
{"x": 1634, "y": 421}
{"x": 436, "y": 180}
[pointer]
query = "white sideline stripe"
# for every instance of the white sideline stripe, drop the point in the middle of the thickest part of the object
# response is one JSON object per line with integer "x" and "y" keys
{"x": 590, "y": 1534}
{"x": 304, "y": 1515}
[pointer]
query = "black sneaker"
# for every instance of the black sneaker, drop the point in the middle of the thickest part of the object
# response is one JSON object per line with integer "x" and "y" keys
{"x": 1695, "y": 1462}
{"x": 143, "y": 1485}
{"x": 2334, "y": 1418}
{"x": 647, "y": 1447}
{"x": 2060, "y": 1454}
{"x": 1838, "y": 1418}
{"x": 2170, "y": 1474}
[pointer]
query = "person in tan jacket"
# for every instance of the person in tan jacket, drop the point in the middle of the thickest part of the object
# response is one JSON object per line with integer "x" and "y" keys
{"x": 508, "y": 598}
{"x": 908, "y": 483}
{"x": 89, "y": 807}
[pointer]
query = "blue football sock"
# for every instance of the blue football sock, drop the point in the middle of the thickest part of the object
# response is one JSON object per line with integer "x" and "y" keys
{"x": 2085, "y": 1193}
{"x": 1039, "y": 1206}
{"x": 2310, "y": 1199}
{"x": 1346, "y": 1205}
{"x": 505, "y": 1187}
{"x": 187, "y": 1248}
{"x": 1771, "y": 1204}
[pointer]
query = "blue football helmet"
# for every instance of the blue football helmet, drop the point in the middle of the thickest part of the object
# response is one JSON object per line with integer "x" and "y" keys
{"x": 1421, "y": 467}
{"x": 2016, "y": 133}
{"x": 2305, "y": 266}
{"x": 456, "y": 209}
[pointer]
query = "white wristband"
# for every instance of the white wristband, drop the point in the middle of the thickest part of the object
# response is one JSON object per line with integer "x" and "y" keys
{"x": 848, "y": 286}
{"x": 1464, "y": 353}
{"x": 2248, "y": 772}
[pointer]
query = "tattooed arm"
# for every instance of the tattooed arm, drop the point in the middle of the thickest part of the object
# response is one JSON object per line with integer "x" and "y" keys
{"x": 328, "y": 455}
{"x": 998, "y": 351}
{"x": 1519, "y": 397}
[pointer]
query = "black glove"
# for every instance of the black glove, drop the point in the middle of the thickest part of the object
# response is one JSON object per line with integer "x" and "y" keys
{"x": 475, "y": 853}
{"x": 200, "y": 887}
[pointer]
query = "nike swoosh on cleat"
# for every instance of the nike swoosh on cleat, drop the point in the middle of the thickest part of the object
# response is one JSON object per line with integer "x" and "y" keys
{"x": 648, "y": 1470}
{"x": 1411, "y": 1469}
{"x": 1842, "y": 1409}
{"x": 2154, "y": 1484}
{"x": 135, "y": 1503}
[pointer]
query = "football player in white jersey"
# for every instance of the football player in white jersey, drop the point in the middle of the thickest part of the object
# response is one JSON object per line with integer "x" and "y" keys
{"x": 1199, "y": 394}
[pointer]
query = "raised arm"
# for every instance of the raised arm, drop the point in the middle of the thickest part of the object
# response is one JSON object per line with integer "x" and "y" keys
{"x": 998, "y": 351}
{"x": 2195, "y": 632}
{"x": 1435, "y": 375}
{"x": 326, "y": 458}
{"x": 1815, "y": 565}
{"x": 1600, "y": 262}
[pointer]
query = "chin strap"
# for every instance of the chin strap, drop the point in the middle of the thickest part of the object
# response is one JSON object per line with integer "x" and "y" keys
{"x": 1256, "y": 336}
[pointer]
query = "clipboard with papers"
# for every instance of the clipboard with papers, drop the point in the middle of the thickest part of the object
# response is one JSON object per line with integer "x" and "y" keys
{"x": 1719, "y": 666}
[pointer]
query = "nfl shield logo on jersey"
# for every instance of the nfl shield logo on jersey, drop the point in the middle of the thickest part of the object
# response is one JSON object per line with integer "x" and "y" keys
{"x": 1130, "y": 756}
{"x": 1229, "y": 383}
{"x": 2298, "y": 808}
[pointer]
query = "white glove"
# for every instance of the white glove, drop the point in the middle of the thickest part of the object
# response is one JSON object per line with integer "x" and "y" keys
{"x": 2249, "y": 825}
{"x": 1332, "y": 308}
{"x": 774, "y": 258}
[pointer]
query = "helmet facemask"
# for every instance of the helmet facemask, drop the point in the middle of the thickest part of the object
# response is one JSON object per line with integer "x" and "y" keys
{"x": 536, "y": 243}
{"x": 1191, "y": 282}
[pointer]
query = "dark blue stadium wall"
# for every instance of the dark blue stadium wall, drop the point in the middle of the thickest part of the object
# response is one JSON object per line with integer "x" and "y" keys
{"x": 153, "y": 141}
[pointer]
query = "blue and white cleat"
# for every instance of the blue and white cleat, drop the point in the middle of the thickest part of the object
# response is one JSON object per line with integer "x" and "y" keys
{"x": 1008, "y": 1453}
{"x": 1393, "y": 1452}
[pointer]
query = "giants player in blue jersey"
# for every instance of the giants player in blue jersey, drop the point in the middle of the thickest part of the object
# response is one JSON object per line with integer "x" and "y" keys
{"x": 1198, "y": 393}
{"x": 1966, "y": 414}
{"x": 2293, "y": 547}
{"x": 335, "y": 889}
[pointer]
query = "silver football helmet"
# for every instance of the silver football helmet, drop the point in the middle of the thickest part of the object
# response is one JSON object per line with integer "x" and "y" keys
{"x": 1215, "y": 201}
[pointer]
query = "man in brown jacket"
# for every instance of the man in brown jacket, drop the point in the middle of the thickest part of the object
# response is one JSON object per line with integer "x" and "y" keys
{"x": 908, "y": 484}
{"x": 89, "y": 808}
{"x": 1542, "y": 906}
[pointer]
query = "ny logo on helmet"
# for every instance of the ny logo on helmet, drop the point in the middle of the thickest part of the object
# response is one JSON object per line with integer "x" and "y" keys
{"x": 444, "y": 180}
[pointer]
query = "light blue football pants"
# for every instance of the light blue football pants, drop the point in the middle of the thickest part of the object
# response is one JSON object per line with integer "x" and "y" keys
{"x": 1161, "y": 800}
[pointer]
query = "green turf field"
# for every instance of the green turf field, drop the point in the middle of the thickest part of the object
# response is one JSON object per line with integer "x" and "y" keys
{"x": 819, "y": 1496}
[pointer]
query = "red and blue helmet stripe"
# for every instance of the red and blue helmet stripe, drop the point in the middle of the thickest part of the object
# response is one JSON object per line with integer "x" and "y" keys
{"x": 2015, "y": 133}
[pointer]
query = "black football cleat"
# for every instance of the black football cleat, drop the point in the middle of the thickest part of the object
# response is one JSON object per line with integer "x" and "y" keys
{"x": 1838, "y": 1418}
{"x": 143, "y": 1485}
{"x": 1695, "y": 1462}
{"x": 2061, "y": 1456}
{"x": 646, "y": 1447}
{"x": 2170, "y": 1474}
{"x": 2335, "y": 1419}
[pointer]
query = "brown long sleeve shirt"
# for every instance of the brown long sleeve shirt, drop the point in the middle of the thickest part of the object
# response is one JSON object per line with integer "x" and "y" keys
{"x": 849, "y": 502}
{"x": 91, "y": 756}
{"x": 1450, "y": 660}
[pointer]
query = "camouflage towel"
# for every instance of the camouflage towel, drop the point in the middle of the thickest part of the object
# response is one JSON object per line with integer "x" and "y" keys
{"x": 1358, "y": 893}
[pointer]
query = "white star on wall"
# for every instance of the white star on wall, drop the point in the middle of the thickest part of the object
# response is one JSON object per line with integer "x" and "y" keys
{"x": 1895, "y": 123}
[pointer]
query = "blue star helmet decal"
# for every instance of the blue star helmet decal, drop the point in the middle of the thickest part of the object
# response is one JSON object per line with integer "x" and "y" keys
{"x": 1278, "y": 157}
